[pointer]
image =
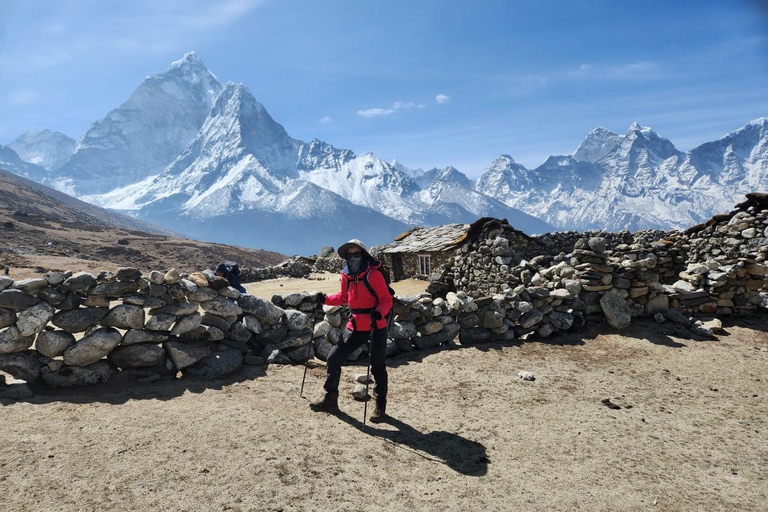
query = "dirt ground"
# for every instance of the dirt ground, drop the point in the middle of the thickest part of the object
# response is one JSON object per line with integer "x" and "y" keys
{"x": 466, "y": 433}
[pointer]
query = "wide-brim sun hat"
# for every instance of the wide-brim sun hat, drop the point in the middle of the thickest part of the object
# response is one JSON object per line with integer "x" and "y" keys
{"x": 343, "y": 249}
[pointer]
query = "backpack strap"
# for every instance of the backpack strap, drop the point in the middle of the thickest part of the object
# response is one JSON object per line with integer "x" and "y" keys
{"x": 368, "y": 285}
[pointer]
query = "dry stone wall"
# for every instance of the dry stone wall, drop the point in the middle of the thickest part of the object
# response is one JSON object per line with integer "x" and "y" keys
{"x": 69, "y": 329}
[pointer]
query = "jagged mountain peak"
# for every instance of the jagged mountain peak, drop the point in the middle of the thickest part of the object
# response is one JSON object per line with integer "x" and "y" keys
{"x": 505, "y": 162}
{"x": 598, "y": 143}
{"x": 45, "y": 148}
{"x": 144, "y": 134}
{"x": 190, "y": 58}
{"x": 191, "y": 67}
{"x": 451, "y": 173}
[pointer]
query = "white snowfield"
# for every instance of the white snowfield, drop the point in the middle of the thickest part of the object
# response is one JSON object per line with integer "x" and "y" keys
{"x": 190, "y": 153}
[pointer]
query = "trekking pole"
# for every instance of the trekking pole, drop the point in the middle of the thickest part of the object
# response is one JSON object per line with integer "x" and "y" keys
{"x": 306, "y": 365}
{"x": 368, "y": 373}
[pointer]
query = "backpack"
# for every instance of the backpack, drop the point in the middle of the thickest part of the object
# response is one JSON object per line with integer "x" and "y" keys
{"x": 387, "y": 279}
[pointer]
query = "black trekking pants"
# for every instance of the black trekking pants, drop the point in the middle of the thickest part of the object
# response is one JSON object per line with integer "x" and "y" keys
{"x": 343, "y": 350}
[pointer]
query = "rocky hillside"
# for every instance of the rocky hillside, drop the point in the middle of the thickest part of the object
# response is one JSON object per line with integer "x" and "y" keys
{"x": 42, "y": 229}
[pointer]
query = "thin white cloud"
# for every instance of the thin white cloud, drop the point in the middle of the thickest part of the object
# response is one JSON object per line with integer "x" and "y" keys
{"x": 382, "y": 112}
{"x": 326, "y": 120}
{"x": 375, "y": 112}
{"x": 442, "y": 98}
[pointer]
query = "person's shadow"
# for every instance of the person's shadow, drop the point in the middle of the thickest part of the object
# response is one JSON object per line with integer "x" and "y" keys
{"x": 458, "y": 453}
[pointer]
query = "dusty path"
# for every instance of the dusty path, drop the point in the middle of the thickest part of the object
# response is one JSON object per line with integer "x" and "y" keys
{"x": 468, "y": 434}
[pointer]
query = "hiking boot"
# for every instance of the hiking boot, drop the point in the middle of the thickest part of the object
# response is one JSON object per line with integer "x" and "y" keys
{"x": 379, "y": 412}
{"x": 328, "y": 402}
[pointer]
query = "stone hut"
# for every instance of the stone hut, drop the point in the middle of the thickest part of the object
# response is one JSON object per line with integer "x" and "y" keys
{"x": 422, "y": 250}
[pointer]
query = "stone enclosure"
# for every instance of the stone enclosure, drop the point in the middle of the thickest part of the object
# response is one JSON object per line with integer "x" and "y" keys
{"x": 70, "y": 329}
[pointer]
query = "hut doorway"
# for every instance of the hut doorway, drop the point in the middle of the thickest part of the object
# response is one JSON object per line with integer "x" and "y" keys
{"x": 397, "y": 268}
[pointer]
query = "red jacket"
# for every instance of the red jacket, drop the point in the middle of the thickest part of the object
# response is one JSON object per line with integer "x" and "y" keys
{"x": 360, "y": 298}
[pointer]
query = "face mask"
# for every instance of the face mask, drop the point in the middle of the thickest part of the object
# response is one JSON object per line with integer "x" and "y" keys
{"x": 354, "y": 262}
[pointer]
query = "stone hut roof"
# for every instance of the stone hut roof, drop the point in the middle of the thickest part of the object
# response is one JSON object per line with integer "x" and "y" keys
{"x": 433, "y": 239}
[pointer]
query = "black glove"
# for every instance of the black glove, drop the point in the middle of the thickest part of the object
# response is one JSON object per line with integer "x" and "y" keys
{"x": 376, "y": 315}
{"x": 320, "y": 298}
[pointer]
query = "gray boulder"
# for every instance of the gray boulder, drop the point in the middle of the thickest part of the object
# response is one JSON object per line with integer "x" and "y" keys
{"x": 55, "y": 278}
{"x": 321, "y": 329}
{"x": 404, "y": 330}
{"x": 137, "y": 356}
{"x": 114, "y": 290}
{"x": 136, "y": 336}
{"x": 216, "y": 366}
{"x": 252, "y": 323}
{"x": 53, "y": 343}
{"x": 296, "y": 320}
{"x": 229, "y": 292}
{"x": 203, "y": 294}
{"x": 262, "y": 309}
{"x": 128, "y": 274}
{"x": 124, "y": 316}
{"x": 617, "y": 312}
{"x": 16, "y": 300}
{"x": 531, "y": 318}
{"x": 183, "y": 355}
{"x": 160, "y": 322}
{"x": 7, "y": 318}
{"x": 301, "y": 355}
{"x": 559, "y": 320}
{"x": 238, "y": 332}
{"x": 177, "y": 309}
{"x": 448, "y": 333}
{"x": 12, "y": 341}
{"x": 221, "y": 306}
{"x": 79, "y": 282}
{"x": 322, "y": 348}
{"x": 31, "y": 286}
{"x": 70, "y": 376}
{"x": 52, "y": 296}
{"x": 216, "y": 321}
{"x": 272, "y": 335}
{"x": 295, "y": 339}
{"x": 21, "y": 365}
{"x": 5, "y": 282}
{"x": 187, "y": 324}
{"x": 78, "y": 320}
{"x": 92, "y": 348}
{"x": 156, "y": 277}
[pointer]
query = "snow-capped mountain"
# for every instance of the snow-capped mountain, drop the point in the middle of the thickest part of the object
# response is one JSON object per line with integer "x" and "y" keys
{"x": 207, "y": 160}
{"x": 634, "y": 181}
{"x": 11, "y": 162}
{"x": 45, "y": 148}
{"x": 236, "y": 182}
{"x": 242, "y": 164}
{"x": 146, "y": 133}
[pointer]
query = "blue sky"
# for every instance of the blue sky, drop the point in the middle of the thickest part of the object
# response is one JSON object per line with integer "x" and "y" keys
{"x": 431, "y": 83}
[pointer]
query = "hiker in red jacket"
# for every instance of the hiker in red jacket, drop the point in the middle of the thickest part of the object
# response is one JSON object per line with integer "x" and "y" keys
{"x": 364, "y": 288}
